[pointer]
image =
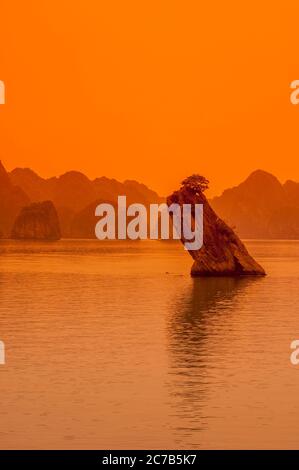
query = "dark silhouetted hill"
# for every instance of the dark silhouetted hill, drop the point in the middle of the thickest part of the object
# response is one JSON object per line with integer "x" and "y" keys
{"x": 261, "y": 207}
{"x": 75, "y": 197}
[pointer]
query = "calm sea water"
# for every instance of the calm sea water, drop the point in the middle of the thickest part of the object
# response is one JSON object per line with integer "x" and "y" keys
{"x": 114, "y": 345}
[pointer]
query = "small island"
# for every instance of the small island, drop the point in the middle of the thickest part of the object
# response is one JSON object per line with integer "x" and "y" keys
{"x": 38, "y": 221}
{"x": 223, "y": 253}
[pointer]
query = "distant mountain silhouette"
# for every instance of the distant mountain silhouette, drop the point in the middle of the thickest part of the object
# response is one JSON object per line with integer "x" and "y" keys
{"x": 75, "y": 196}
{"x": 75, "y": 191}
{"x": 83, "y": 222}
{"x": 261, "y": 207}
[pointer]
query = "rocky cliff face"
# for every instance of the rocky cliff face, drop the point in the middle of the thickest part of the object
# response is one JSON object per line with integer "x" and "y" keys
{"x": 223, "y": 253}
{"x": 38, "y": 221}
{"x": 12, "y": 199}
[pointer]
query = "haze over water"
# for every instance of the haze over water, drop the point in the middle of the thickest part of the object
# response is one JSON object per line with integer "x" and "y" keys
{"x": 112, "y": 345}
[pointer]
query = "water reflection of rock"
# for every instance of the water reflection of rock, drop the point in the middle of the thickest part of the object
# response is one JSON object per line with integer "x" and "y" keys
{"x": 199, "y": 315}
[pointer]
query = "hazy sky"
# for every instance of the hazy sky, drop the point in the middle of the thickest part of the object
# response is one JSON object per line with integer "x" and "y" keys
{"x": 150, "y": 90}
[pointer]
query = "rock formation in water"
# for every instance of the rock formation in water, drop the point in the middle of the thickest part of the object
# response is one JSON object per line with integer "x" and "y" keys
{"x": 38, "y": 221}
{"x": 222, "y": 253}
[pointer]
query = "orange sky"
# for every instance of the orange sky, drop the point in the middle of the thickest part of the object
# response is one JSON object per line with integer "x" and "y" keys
{"x": 150, "y": 90}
